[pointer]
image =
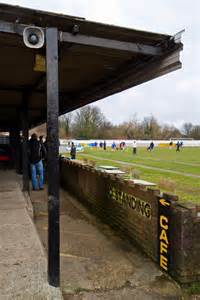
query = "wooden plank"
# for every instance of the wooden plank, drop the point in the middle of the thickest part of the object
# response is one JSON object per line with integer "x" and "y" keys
{"x": 110, "y": 44}
{"x": 9, "y": 27}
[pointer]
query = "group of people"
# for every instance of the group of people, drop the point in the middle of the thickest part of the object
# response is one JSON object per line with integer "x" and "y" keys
{"x": 179, "y": 144}
{"x": 120, "y": 146}
{"x": 102, "y": 145}
{"x": 149, "y": 148}
{"x": 37, "y": 152}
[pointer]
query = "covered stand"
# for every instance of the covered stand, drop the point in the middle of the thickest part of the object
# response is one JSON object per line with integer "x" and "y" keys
{"x": 72, "y": 63}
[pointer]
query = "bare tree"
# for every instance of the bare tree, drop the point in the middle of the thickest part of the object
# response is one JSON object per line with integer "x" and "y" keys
{"x": 151, "y": 128}
{"x": 187, "y": 129}
{"x": 195, "y": 133}
{"x": 65, "y": 125}
{"x": 90, "y": 123}
{"x": 87, "y": 122}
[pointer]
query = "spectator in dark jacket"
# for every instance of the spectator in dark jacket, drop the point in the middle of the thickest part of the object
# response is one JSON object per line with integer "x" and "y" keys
{"x": 178, "y": 145}
{"x": 73, "y": 151}
{"x": 36, "y": 153}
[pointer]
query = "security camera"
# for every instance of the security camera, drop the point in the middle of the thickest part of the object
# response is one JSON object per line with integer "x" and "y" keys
{"x": 33, "y": 37}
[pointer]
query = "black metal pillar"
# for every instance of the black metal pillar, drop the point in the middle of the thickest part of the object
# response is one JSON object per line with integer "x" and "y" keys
{"x": 14, "y": 144}
{"x": 53, "y": 156}
{"x": 25, "y": 162}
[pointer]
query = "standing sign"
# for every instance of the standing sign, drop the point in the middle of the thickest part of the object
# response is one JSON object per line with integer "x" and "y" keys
{"x": 164, "y": 243}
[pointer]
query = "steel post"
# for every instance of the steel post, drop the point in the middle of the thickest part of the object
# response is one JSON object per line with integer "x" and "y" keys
{"x": 53, "y": 156}
{"x": 25, "y": 163}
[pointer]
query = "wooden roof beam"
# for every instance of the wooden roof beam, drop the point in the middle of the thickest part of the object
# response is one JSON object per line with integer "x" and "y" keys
{"x": 9, "y": 27}
{"x": 138, "y": 74}
{"x": 86, "y": 40}
{"x": 14, "y": 108}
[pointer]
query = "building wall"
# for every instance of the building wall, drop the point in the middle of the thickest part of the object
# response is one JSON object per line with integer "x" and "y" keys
{"x": 133, "y": 212}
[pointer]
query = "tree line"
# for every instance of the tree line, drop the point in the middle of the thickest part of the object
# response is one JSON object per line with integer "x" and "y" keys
{"x": 90, "y": 123}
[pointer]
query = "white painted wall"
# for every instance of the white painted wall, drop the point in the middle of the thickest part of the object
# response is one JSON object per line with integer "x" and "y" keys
{"x": 140, "y": 143}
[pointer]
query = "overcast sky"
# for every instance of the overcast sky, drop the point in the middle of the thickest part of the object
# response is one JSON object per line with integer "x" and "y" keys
{"x": 173, "y": 98}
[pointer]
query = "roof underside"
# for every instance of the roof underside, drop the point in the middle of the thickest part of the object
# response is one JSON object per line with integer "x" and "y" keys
{"x": 86, "y": 72}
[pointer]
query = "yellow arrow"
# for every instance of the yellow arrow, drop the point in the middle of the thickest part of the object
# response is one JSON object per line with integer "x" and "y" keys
{"x": 164, "y": 202}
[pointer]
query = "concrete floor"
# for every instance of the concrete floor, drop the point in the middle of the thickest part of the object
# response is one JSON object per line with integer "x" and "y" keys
{"x": 95, "y": 262}
{"x": 23, "y": 261}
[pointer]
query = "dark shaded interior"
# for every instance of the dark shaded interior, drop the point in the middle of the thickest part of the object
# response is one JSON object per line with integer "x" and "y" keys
{"x": 86, "y": 73}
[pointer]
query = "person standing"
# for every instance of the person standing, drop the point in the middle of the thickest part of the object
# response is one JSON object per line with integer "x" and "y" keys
{"x": 43, "y": 147}
{"x": 41, "y": 139}
{"x": 73, "y": 151}
{"x": 113, "y": 146}
{"x": 104, "y": 145}
{"x": 44, "y": 155}
{"x": 134, "y": 147}
{"x": 151, "y": 146}
{"x": 170, "y": 144}
{"x": 36, "y": 153}
{"x": 178, "y": 145}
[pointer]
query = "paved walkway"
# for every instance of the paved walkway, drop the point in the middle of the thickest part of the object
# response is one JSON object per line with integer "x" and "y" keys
{"x": 22, "y": 258}
{"x": 96, "y": 264}
{"x": 143, "y": 166}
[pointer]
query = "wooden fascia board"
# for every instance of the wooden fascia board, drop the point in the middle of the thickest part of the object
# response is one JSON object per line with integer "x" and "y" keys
{"x": 9, "y": 27}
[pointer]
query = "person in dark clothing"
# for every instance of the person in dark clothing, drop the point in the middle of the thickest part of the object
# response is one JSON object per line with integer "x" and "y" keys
{"x": 43, "y": 148}
{"x": 73, "y": 151}
{"x": 104, "y": 145}
{"x": 151, "y": 146}
{"x": 36, "y": 153}
{"x": 41, "y": 139}
{"x": 134, "y": 147}
{"x": 44, "y": 155}
{"x": 178, "y": 145}
{"x": 45, "y": 144}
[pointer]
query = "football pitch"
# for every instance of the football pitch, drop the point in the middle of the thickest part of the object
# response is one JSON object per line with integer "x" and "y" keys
{"x": 173, "y": 172}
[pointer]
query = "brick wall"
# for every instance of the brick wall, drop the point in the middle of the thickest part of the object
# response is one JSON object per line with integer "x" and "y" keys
{"x": 133, "y": 212}
{"x": 185, "y": 236}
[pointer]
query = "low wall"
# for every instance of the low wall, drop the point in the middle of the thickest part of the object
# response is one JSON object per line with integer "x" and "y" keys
{"x": 165, "y": 230}
{"x": 129, "y": 143}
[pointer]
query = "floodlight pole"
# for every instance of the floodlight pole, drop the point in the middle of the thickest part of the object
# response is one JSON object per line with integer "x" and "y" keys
{"x": 53, "y": 156}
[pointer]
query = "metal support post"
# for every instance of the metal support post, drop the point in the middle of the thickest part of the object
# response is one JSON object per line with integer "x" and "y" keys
{"x": 15, "y": 144}
{"x": 53, "y": 156}
{"x": 25, "y": 163}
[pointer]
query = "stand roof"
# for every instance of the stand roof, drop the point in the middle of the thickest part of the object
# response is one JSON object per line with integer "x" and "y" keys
{"x": 98, "y": 61}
